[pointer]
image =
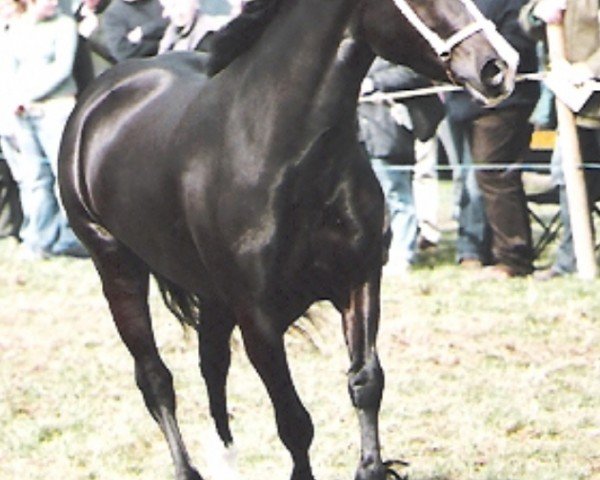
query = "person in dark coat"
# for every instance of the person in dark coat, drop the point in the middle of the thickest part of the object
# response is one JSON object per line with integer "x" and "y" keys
{"x": 190, "y": 28}
{"x": 93, "y": 56}
{"x": 388, "y": 130}
{"x": 133, "y": 28}
{"x": 11, "y": 214}
{"x": 501, "y": 136}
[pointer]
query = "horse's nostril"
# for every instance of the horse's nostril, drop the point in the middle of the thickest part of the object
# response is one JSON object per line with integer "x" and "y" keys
{"x": 493, "y": 73}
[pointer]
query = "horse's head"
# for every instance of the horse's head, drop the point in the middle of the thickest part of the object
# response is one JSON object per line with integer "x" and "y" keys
{"x": 447, "y": 39}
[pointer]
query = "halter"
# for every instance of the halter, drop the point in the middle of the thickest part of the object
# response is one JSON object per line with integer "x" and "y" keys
{"x": 443, "y": 48}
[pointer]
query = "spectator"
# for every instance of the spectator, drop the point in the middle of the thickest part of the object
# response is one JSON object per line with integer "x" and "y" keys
{"x": 501, "y": 136}
{"x": 188, "y": 25}
{"x": 582, "y": 41}
{"x": 11, "y": 215}
{"x": 228, "y": 8}
{"x": 133, "y": 28}
{"x": 41, "y": 94}
{"x": 10, "y": 205}
{"x": 92, "y": 56}
{"x": 388, "y": 131}
{"x": 473, "y": 243}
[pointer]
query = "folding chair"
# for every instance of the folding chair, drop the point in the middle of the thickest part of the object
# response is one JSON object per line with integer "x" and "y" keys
{"x": 549, "y": 226}
{"x": 541, "y": 147}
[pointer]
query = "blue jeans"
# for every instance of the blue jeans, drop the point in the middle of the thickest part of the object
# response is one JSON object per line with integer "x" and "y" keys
{"x": 397, "y": 188}
{"x": 474, "y": 236}
{"x": 45, "y": 227}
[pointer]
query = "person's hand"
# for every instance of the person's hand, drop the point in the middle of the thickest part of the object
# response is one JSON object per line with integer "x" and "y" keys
{"x": 11, "y": 139}
{"x": 88, "y": 25}
{"x": 135, "y": 36}
{"x": 367, "y": 86}
{"x": 576, "y": 73}
{"x": 550, "y": 11}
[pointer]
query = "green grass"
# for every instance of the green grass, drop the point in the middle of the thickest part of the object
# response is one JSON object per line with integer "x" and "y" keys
{"x": 496, "y": 380}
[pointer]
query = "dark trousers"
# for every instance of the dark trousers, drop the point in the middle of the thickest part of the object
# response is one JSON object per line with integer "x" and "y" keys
{"x": 10, "y": 203}
{"x": 502, "y": 138}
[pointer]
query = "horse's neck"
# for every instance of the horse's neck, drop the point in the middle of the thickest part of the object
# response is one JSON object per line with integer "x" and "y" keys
{"x": 341, "y": 87}
{"x": 300, "y": 46}
{"x": 299, "y": 76}
{"x": 314, "y": 26}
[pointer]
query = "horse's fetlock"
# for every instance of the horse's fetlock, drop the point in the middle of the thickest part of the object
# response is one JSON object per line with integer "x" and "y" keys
{"x": 366, "y": 386}
{"x": 371, "y": 471}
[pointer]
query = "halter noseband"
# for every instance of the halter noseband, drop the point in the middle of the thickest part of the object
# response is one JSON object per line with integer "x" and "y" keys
{"x": 443, "y": 48}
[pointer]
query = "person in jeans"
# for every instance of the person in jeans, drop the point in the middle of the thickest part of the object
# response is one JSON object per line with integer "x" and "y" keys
{"x": 41, "y": 95}
{"x": 11, "y": 215}
{"x": 389, "y": 132}
{"x": 473, "y": 241}
{"x": 582, "y": 42}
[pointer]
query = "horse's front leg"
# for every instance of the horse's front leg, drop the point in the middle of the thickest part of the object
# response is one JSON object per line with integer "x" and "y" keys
{"x": 365, "y": 378}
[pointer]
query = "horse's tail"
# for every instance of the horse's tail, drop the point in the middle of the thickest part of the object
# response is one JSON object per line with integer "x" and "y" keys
{"x": 181, "y": 303}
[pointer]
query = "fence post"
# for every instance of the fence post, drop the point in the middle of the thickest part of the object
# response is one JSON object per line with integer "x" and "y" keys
{"x": 579, "y": 210}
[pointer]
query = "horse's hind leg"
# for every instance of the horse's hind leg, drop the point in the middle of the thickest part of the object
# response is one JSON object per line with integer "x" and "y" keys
{"x": 266, "y": 351}
{"x": 125, "y": 281}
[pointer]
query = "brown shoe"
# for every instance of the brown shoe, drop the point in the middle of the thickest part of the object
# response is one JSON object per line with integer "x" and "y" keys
{"x": 424, "y": 244}
{"x": 497, "y": 272}
{"x": 547, "y": 274}
{"x": 470, "y": 264}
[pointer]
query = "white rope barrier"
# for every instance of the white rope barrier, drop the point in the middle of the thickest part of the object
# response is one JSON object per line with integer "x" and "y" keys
{"x": 447, "y": 87}
{"x": 380, "y": 97}
{"x": 435, "y": 90}
{"x": 491, "y": 167}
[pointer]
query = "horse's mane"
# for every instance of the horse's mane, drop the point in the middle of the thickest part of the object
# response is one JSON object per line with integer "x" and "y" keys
{"x": 239, "y": 34}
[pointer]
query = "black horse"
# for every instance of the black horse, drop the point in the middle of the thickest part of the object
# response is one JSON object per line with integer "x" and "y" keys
{"x": 248, "y": 196}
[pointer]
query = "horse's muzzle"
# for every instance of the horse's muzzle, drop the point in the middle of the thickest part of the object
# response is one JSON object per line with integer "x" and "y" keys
{"x": 497, "y": 81}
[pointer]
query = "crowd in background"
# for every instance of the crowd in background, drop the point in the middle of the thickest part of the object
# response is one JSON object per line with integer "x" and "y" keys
{"x": 489, "y": 146}
{"x": 50, "y": 51}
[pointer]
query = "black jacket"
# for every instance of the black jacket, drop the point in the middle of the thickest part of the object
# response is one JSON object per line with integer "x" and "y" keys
{"x": 382, "y": 136}
{"x": 122, "y": 17}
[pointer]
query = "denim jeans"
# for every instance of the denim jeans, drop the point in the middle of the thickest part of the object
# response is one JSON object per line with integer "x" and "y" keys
{"x": 397, "y": 188}
{"x": 474, "y": 236}
{"x": 45, "y": 227}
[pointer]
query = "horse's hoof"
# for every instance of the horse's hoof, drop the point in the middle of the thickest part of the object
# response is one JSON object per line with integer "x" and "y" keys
{"x": 391, "y": 473}
{"x": 192, "y": 474}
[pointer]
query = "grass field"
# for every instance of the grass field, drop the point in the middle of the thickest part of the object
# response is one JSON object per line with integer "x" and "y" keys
{"x": 496, "y": 380}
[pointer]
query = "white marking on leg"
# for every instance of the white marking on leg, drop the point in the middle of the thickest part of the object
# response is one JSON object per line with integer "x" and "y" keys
{"x": 220, "y": 460}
